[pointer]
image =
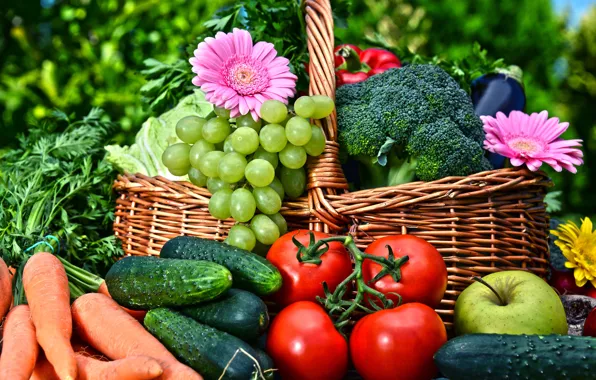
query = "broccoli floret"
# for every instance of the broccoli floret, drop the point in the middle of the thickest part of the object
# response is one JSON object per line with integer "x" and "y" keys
{"x": 417, "y": 113}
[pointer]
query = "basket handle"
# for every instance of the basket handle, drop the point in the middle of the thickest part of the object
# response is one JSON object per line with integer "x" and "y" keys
{"x": 325, "y": 173}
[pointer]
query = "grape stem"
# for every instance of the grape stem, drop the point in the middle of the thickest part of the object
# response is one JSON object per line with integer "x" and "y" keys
{"x": 334, "y": 301}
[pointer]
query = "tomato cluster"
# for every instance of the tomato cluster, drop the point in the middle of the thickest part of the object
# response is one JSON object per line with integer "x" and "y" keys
{"x": 395, "y": 343}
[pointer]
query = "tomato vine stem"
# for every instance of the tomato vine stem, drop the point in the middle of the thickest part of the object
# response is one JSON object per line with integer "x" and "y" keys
{"x": 335, "y": 301}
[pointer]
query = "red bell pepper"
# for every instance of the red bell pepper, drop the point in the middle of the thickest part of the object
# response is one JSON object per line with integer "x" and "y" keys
{"x": 353, "y": 65}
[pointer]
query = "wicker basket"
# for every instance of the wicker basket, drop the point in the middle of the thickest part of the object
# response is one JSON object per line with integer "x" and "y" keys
{"x": 482, "y": 223}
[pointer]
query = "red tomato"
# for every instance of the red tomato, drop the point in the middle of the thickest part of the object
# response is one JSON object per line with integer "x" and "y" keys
{"x": 590, "y": 324}
{"x": 591, "y": 292}
{"x": 423, "y": 276}
{"x": 304, "y": 344}
{"x": 398, "y": 344}
{"x": 303, "y": 281}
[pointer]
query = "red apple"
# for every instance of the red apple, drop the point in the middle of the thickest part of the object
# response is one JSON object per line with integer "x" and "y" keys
{"x": 564, "y": 282}
{"x": 590, "y": 325}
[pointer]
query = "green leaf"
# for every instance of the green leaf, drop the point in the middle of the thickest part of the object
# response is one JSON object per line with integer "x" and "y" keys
{"x": 152, "y": 87}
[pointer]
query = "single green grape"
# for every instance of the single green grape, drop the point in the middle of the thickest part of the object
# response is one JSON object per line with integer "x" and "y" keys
{"x": 267, "y": 156}
{"x": 221, "y": 112}
{"x": 197, "y": 178}
{"x": 265, "y": 230}
{"x": 324, "y": 106}
{"x": 176, "y": 156}
{"x": 190, "y": 129}
{"x": 216, "y": 130}
{"x": 245, "y": 140}
{"x": 293, "y": 180}
{"x": 227, "y": 144}
{"x": 278, "y": 187}
{"x": 215, "y": 184}
{"x": 231, "y": 167}
{"x": 267, "y": 200}
{"x": 209, "y": 163}
{"x": 180, "y": 172}
{"x": 280, "y": 221}
{"x": 248, "y": 121}
{"x": 219, "y": 204}
{"x": 259, "y": 173}
{"x": 273, "y": 111}
{"x": 243, "y": 205}
{"x": 292, "y": 156}
{"x": 241, "y": 237}
{"x": 298, "y": 131}
{"x": 316, "y": 145}
{"x": 273, "y": 138}
{"x": 304, "y": 106}
{"x": 200, "y": 148}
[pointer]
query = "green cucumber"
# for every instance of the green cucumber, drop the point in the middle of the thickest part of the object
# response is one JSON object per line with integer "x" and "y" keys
{"x": 495, "y": 356}
{"x": 203, "y": 348}
{"x": 148, "y": 282}
{"x": 250, "y": 271}
{"x": 237, "y": 312}
{"x": 266, "y": 363}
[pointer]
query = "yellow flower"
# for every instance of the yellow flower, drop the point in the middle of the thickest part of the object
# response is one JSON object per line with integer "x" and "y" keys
{"x": 579, "y": 248}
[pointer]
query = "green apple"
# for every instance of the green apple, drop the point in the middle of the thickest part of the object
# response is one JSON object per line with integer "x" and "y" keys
{"x": 510, "y": 302}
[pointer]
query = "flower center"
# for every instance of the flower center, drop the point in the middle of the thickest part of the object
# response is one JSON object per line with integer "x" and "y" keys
{"x": 245, "y": 75}
{"x": 586, "y": 246}
{"x": 525, "y": 146}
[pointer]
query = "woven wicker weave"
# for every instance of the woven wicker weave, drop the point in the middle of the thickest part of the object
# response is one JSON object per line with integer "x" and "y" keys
{"x": 482, "y": 223}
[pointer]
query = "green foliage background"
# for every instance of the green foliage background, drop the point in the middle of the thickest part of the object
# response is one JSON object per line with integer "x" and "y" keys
{"x": 75, "y": 54}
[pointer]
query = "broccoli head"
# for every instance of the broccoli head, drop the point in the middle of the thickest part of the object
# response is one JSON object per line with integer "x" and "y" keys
{"x": 418, "y": 113}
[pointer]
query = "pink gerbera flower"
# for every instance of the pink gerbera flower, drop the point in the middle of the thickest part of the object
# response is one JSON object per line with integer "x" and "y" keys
{"x": 531, "y": 140}
{"x": 238, "y": 76}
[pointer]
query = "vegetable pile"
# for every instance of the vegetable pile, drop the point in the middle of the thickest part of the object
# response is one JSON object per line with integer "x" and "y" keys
{"x": 201, "y": 309}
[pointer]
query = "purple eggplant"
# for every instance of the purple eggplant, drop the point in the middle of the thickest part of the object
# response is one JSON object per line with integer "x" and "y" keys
{"x": 501, "y": 91}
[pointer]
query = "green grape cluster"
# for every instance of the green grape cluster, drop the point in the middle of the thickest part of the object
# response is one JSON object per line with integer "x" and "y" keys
{"x": 250, "y": 166}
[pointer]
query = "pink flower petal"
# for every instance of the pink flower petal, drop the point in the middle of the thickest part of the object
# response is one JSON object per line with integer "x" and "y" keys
{"x": 243, "y": 106}
{"x": 516, "y": 161}
{"x": 262, "y": 49}
{"x": 242, "y": 42}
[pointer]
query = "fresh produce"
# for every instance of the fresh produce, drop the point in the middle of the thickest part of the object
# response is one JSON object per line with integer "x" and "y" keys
{"x": 149, "y": 282}
{"x": 56, "y": 195}
{"x": 267, "y": 365}
{"x": 237, "y": 312}
{"x": 564, "y": 282}
{"x": 591, "y": 292}
{"x": 353, "y": 65}
{"x": 130, "y": 368}
{"x": 109, "y": 329}
{"x": 250, "y": 271}
{"x": 211, "y": 352}
{"x": 495, "y": 356}
{"x": 303, "y": 275}
{"x": 305, "y": 345}
{"x": 368, "y": 298}
{"x": 423, "y": 278}
{"x": 590, "y": 324}
{"x": 510, "y": 302}
{"x": 157, "y": 133}
{"x": 245, "y": 164}
{"x": 498, "y": 91}
{"x": 19, "y": 345}
{"x": 46, "y": 288}
{"x": 410, "y": 122}
{"x": 5, "y": 289}
{"x": 398, "y": 343}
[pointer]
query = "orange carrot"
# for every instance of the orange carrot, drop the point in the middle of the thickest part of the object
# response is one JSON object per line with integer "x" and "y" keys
{"x": 20, "y": 348}
{"x": 102, "y": 323}
{"x": 5, "y": 289}
{"x": 48, "y": 295}
{"x": 139, "y": 315}
{"x": 130, "y": 368}
{"x": 43, "y": 369}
